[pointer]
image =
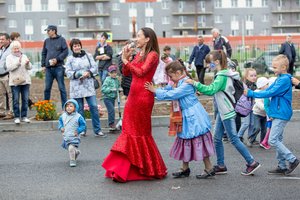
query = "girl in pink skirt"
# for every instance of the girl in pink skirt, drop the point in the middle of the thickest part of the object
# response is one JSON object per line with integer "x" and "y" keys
{"x": 188, "y": 120}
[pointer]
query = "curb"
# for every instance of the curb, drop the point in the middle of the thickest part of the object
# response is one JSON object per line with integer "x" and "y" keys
{"x": 157, "y": 121}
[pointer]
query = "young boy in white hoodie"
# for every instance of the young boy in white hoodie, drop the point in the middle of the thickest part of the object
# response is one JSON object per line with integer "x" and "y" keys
{"x": 71, "y": 124}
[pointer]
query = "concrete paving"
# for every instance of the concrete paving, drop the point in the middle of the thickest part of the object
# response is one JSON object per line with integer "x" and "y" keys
{"x": 34, "y": 166}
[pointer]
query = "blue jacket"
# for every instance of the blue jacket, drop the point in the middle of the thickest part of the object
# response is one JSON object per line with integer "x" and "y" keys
{"x": 199, "y": 54}
{"x": 281, "y": 101}
{"x": 195, "y": 120}
{"x": 54, "y": 48}
{"x": 71, "y": 122}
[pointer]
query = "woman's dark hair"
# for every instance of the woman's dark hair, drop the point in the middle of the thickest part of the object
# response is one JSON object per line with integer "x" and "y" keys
{"x": 14, "y": 35}
{"x": 220, "y": 56}
{"x": 73, "y": 42}
{"x": 152, "y": 45}
{"x": 177, "y": 65}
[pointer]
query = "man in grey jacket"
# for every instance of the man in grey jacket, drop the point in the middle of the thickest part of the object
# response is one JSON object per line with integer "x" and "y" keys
{"x": 5, "y": 90}
{"x": 288, "y": 49}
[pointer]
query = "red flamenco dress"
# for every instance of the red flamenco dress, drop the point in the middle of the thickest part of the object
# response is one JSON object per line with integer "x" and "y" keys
{"x": 134, "y": 155}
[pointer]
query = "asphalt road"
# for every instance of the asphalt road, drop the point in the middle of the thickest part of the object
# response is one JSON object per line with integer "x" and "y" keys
{"x": 34, "y": 166}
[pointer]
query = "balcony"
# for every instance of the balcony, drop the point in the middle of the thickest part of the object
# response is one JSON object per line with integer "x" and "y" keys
{"x": 285, "y": 11}
{"x": 284, "y": 25}
{"x": 191, "y": 13}
{"x": 86, "y": 30}
{"x": 79, "y": 1}
{"x": 2, "y": 1}
{"x": 192, "y": 28}
{"x": 89, "y": 15}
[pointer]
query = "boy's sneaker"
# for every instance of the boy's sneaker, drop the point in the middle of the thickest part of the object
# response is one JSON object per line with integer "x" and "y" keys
{"x": 277, "y": 171}
{"x": 265, "y": 146}
{"x": 17, "y": 121}
{"x": 220, "y": 170}
{"x": 77, "y": 154}
{"x": 72, "y": 163}
{"x": 25, "y": 119}
{"x": 83, "y": 134}
{"x": 293, "y": 166}
{"x": 100, "y": 134}
{"x": 251, "y": 169}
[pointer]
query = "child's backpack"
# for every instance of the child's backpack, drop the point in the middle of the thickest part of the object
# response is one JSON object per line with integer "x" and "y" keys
{"x": 243, "y": 105}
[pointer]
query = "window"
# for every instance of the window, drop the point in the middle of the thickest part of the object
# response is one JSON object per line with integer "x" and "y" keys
{"x": 28, "y": 22}
{"x": 99, "y": 8}
{"x": 116, "y": 21}
{"x": 298, "y": 17}
{"x": 11, "y": 8}
{"x": 165, "y": 4}
{"x": 180, "y": 6}
{"x": 166, "y": 20}
{"x": 234, "y": 18}
{"x": 62, "y": 22}
{"x": 201, "y": 5}
{"x": 234, "y": 3}
{"x": 116, "y": 6}
{"x": 265, "y": 18}
{"x": 248, "y": 3}
{"x": 12, "y": 23}
{"x": 298, "y": 2}
{"x": 148, "y": 20}
{"x": 44, "y": 22}
{"x": 79, "y": 22}
{"x": 61, "y": 7}
{"x": 28, "y": 7}
{"x": 148, "y": 5}
{"x": 100, "y": 22}
{"x": 28, "y": 37}
{"x": 249, "y": 18}
{"x": 132, "y": 5}
{"x": 182, "y": 19}
{"x": 218, "y": 3}
{"x": 78, "y": 8}
{"x": 218, "y": 19}
{"x": 249, "y": 32}
{"x": 234, "y": 32}
{"x": 280, "y": 18}
{"x": 265, "y": 31}
{"x": 44, "y": 7}
{"x": 201, "y": 20}
{"x": 264, "y": 3}
{"x": 279, "y": 3}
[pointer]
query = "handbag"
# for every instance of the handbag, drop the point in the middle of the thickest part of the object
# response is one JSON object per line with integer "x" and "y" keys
{"x": 96, "y": 82}
{"x": 19, "y": 80}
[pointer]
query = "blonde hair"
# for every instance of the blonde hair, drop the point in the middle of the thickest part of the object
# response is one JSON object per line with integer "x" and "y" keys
{"x": 15, "y": 44}
{"x": 247, "y": 72}
{"x": 282, "y": 60}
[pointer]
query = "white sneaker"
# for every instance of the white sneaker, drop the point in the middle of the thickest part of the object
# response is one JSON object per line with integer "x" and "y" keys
{"x": 100, "y": 134}
{"x": 25, "y": 119}
{"x": 17, "y": 121}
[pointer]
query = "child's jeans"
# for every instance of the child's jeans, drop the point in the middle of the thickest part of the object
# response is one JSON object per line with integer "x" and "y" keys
{"x": 259, "y": 125}
{"x": 247, "y": 122}
{"x": 110, "y": 106}
{"x": 228, "y": 126}
{"x": 276, "y": 137}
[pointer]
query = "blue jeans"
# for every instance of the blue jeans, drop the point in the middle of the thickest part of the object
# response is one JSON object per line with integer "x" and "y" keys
{"x": 228, "y": 126}
{"x": 259, "y": 125}
{"x": 102, "y": 75}
{"x": 247, "y": 122}
{"x": 110, "y": 106}
{"x": 58, "y": 74}
{"x": 276, "y": 137}
{"x": 92, "y": 102}
{"x": 24, "y": 91}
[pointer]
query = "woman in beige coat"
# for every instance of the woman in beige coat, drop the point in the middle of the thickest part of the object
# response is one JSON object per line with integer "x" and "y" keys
{"x": 18, "y": 65}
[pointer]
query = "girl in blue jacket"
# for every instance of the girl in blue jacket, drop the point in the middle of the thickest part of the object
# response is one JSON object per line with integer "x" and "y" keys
{"x": 194, "y": 139}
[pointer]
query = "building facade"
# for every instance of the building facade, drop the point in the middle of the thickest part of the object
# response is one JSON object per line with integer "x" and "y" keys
{"x": 169, "y": 18}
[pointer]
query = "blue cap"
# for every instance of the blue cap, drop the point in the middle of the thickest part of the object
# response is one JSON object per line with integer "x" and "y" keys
{"x": 51, "y": 27}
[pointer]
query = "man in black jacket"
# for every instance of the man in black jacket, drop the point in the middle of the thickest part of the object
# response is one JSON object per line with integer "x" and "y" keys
{"x": 288, "y": 49}
{"x": 221, "y": 42}
{"x": 54, "y": 52}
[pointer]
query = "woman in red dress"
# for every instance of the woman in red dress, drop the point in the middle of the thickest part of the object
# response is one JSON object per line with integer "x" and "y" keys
{"x": 134, "y": 155}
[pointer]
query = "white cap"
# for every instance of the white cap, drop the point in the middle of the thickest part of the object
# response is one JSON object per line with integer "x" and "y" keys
{"x": 272, "y": 80}
{"x": 261, "y": 82}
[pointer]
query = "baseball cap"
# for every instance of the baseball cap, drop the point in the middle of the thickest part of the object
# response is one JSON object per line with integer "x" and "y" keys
{"x": 112, "y": 68}
{"x": 261, "y": 82}
{"x": 51, "y": 27}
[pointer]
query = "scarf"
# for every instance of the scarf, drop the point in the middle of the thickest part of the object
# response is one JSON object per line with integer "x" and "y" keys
{"x": 175, "y": 115}
{"x": 81, "y": 54}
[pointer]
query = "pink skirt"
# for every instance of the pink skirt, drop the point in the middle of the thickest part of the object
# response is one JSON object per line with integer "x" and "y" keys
{"x": 193, "y": 149}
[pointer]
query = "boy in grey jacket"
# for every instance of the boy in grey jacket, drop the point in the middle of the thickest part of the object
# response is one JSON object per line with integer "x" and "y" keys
{"x": 71, "y": 124}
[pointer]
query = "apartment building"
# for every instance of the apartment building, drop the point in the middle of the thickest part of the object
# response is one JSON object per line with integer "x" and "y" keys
{"x": 169, "y": 18}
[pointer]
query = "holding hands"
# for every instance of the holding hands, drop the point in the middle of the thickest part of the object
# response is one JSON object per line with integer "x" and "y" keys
{"x": 295, "y": 81}
{"x": 149, "y": 86}
{"x": 246, "y": 91}
{"x": 190, "y": 81}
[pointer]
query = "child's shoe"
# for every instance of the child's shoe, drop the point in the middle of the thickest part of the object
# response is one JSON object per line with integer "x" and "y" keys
{"x": 182, "y": 173}
{"x": 220, "y": 170}
{"x": 72, "y": 163}
{"x": 251, "y": 169}
{"x": 25, "y": 119}
{"x": 265, "y": 146}
{"x": 207, "y": 174}
{"x": 100, "y": 134}
{"x": 112, "y": 127}
{"x": 277, "y": 171}
{"x": 17, "y": 121}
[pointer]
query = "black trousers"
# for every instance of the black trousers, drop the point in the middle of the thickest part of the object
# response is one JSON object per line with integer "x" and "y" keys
{"x": 200, "y": 73}
{"x": 291, "y": 68}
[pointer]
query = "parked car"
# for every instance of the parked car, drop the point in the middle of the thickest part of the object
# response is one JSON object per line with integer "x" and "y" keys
{"x": 263, "y": 63}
